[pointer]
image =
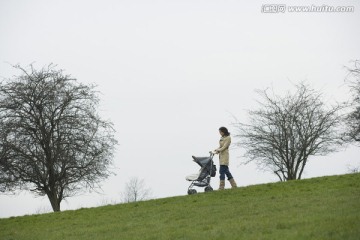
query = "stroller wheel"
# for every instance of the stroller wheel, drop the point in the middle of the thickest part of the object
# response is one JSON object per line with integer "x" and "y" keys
{"x": 191, "y": 191}
{"x": 208, "y": 189}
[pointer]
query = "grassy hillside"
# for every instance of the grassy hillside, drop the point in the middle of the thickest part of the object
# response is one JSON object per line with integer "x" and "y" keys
{"x": 319, "y": 208}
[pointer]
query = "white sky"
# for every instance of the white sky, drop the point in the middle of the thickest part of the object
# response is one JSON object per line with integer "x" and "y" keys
{"x": 172, "y": 72}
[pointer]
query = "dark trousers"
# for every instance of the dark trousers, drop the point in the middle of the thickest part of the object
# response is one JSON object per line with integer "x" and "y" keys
{"x": 224, "y": 170}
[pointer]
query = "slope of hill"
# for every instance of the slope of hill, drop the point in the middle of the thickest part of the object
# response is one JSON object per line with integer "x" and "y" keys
{"x": 319, "y": 208}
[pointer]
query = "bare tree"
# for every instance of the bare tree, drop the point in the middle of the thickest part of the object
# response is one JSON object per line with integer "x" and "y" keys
{"x": 353, "y": 118}
{"x": 52, "y": 141}
{"x": 285, "y": 131}
{"x": 135, "y": 190}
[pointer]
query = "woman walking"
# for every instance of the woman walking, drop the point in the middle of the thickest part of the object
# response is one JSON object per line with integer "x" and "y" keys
{"x": 223, "y": 152}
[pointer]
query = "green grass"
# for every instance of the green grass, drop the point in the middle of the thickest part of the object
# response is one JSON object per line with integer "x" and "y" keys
{"x": 319, "y": 208}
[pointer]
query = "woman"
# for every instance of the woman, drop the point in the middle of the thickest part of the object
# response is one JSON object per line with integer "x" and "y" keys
{"x": 223, "y": 152}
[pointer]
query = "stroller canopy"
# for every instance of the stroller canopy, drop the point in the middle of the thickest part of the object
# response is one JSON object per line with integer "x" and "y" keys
{"x": 202, "y": 161}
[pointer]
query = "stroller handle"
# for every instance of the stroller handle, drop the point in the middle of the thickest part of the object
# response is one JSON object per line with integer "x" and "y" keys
{"x": 212, "y": 153}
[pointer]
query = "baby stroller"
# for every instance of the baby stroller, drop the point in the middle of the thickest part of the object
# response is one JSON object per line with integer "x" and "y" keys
{"x": 202, "y": 179}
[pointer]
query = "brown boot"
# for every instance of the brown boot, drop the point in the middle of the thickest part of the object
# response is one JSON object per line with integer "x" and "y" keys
{"x": 233, "y": 183}
{"x": 222, "y": 185}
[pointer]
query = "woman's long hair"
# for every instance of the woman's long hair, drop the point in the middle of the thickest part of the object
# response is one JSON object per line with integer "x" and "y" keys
{"x": 225, "y": 131}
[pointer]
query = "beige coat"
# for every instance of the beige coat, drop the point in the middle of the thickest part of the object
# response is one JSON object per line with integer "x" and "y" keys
{"x": 224, "y": 150}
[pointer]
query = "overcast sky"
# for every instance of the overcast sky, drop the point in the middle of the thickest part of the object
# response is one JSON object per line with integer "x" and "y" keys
{"x": 171, "y": 73}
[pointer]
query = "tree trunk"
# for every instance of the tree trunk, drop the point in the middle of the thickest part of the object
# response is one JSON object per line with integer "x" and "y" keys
{"x": 291, "y": 176}
{"x": 55, "y": 201}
